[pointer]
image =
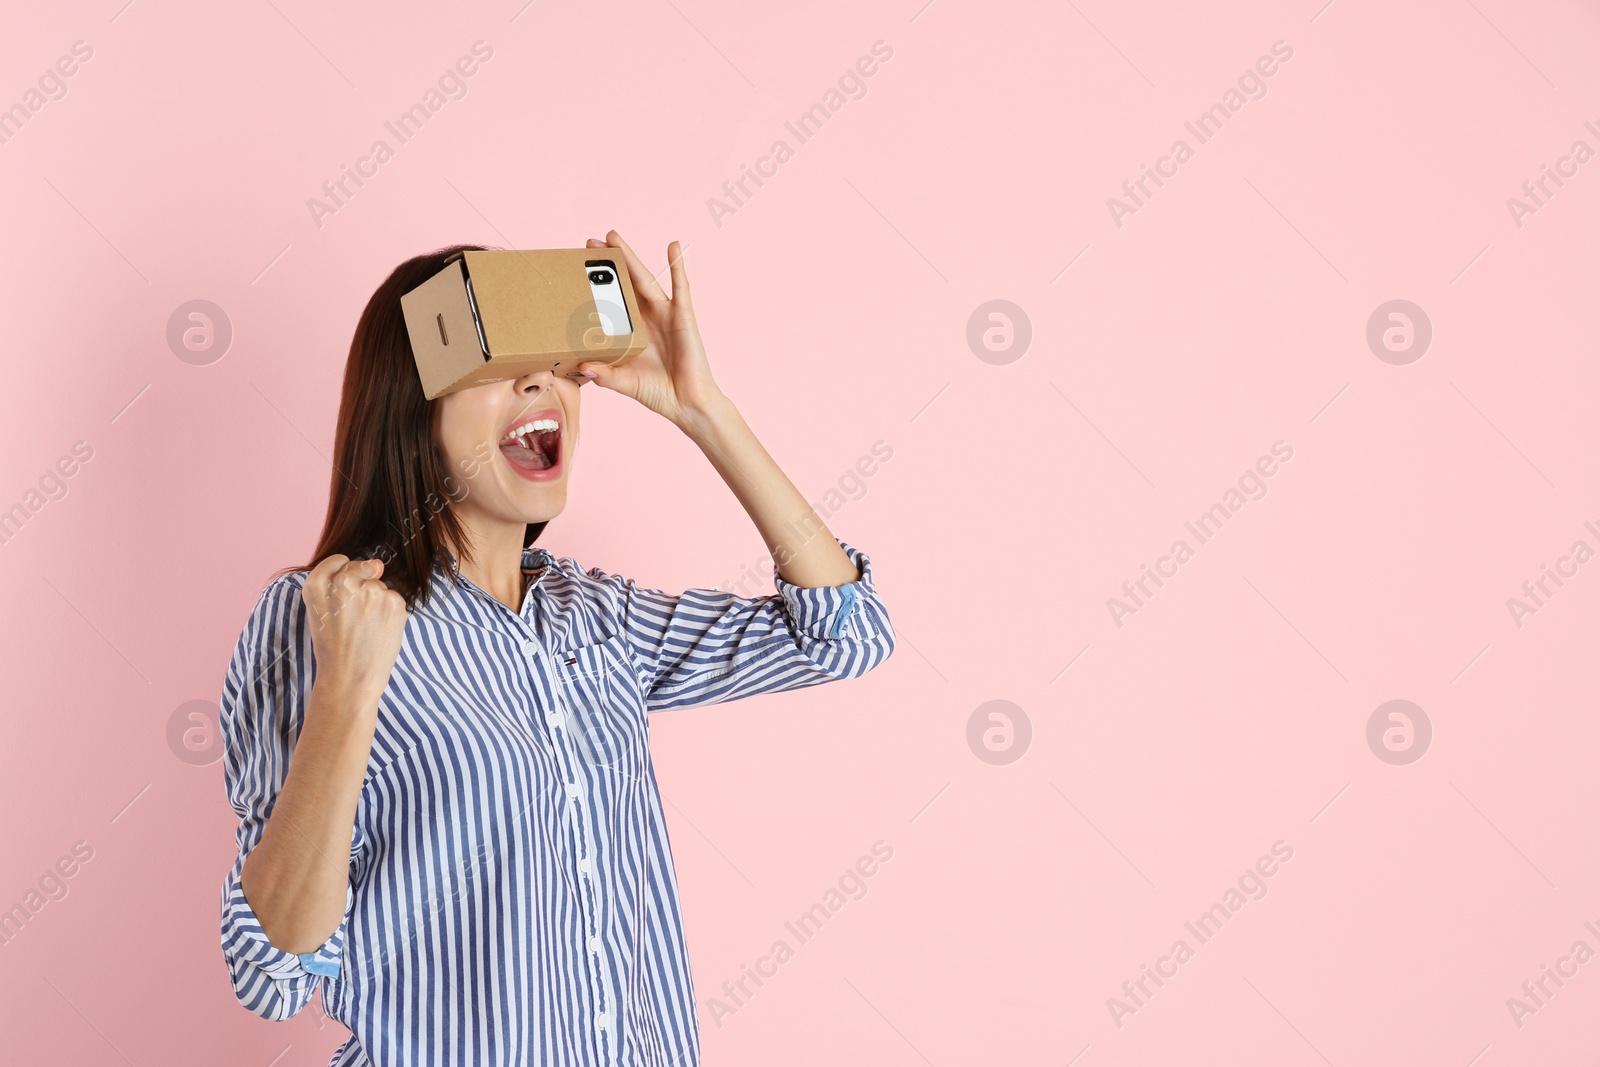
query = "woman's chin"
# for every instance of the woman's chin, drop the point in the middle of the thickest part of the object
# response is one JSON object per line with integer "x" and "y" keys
{"x": 541, "y": 504}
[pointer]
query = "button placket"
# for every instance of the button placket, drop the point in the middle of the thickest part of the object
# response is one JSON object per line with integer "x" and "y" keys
{"x": 574, "y": 791}
{"x": 559, "y": 724}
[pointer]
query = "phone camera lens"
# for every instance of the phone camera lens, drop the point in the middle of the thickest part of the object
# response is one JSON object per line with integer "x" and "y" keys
{"x": 600, "y": 277}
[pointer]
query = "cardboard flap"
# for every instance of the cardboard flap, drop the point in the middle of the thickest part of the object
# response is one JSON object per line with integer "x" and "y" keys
{"x": 444, "y": 336}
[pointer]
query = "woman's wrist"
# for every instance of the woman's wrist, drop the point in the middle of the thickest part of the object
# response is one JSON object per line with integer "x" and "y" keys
{"x": 346, "y": 695}
{"x": 709, "y": 420}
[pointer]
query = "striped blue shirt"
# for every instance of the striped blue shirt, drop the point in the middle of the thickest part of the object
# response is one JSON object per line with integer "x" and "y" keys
{"x": 512, "y": 897}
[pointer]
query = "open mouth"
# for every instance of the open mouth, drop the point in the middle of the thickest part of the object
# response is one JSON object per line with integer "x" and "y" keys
{"x": 534, "y": 444}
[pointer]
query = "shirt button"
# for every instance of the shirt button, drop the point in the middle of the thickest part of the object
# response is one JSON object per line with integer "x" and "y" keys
{"x": 554, "y": 718}
{"x": 574, "y": 790}
{"x": 603, "y": 1019}
{"x": 594, "y": 945}
{"x": 585, "y": 864}
{"x": 530, "y": 647}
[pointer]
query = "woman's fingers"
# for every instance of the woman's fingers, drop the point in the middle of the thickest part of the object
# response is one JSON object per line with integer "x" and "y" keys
{"x": 347, "y": 580}
{"x": 680, "y": 277}
{"x": 644, "y": 283}
{"x": 335, "y": 580}
{"x": 636, "y": 270}
{"x": 596, "y": 371}
{"x": 324, "y": 571}
{"x": 618, "y": 379}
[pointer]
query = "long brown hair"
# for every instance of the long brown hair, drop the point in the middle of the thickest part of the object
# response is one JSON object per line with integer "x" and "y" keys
{"x": 393, "y": 494}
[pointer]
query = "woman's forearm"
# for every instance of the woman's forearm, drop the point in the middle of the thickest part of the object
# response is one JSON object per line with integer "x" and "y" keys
{"x": 297, "y": 875}
{"x": 804, "y": 550}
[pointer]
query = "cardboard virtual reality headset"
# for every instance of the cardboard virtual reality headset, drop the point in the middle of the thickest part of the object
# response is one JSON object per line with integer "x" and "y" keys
{"x": 487, "y": 316}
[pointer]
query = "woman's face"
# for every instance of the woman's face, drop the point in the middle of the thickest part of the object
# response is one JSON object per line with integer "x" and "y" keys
{"x": 509, "y": 447}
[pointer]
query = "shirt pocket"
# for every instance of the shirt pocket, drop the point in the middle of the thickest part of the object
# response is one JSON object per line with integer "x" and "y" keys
{"x": 603, "y": 706}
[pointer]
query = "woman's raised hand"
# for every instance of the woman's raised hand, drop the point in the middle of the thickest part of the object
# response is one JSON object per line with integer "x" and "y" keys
{"x": 357, "y": 624}
{"x": 671, "y": 376}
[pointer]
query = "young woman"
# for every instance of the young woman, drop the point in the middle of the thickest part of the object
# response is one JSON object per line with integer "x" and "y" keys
{"x": 436, "y": 736}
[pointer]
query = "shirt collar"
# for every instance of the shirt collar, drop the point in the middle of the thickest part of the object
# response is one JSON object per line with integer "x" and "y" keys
{"x": 532, "y": 557}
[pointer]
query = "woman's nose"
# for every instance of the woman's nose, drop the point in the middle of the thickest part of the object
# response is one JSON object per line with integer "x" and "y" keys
{"x": 530, "y": 384}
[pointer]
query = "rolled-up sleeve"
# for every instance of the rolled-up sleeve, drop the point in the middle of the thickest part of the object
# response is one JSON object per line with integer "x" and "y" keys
{"x": 705, "y": 646}
{"x": 263, "y": 708}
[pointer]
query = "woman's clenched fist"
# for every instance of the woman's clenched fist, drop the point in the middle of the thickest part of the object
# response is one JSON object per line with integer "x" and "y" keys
{"x": 356, "y": 623}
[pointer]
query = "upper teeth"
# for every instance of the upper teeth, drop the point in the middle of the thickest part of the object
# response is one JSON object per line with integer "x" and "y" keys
{"x": 536, "y": 426}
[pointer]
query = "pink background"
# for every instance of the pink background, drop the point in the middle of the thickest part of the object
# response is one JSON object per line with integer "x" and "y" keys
{"x": 1227, "y": 314}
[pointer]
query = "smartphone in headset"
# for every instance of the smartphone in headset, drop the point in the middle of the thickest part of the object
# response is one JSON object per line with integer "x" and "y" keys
{"x": 608, "y": 301}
